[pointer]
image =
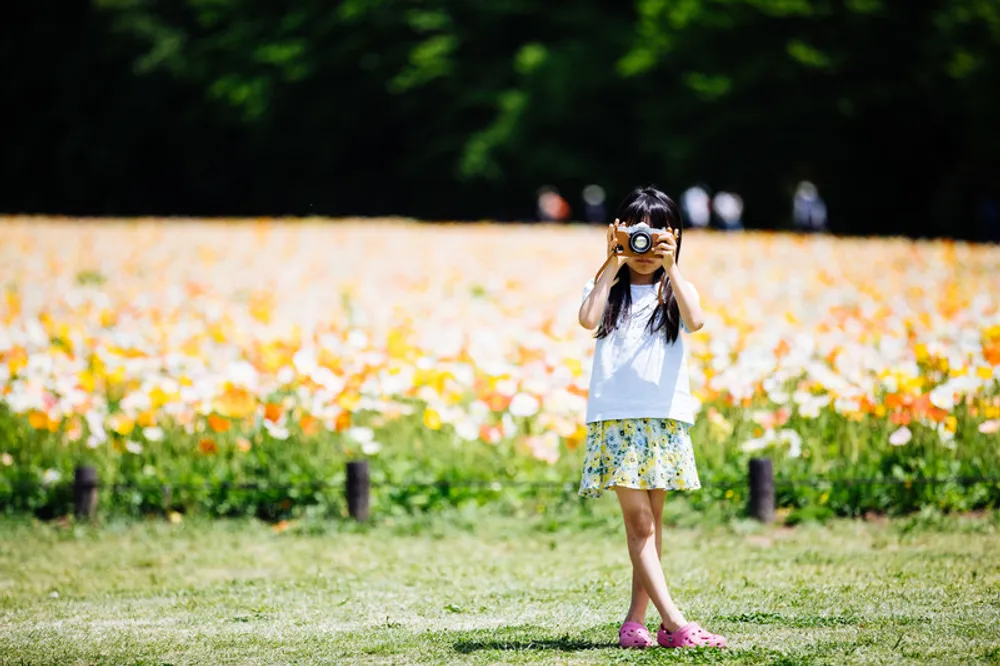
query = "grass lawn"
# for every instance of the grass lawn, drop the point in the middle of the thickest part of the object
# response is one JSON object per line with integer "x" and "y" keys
{"x": 472, "y": 589}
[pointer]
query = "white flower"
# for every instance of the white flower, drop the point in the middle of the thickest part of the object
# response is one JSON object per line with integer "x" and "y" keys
{"x": 506, "y": 387}
{"x": 133, "y": 447}
{"x": 524, "y": 404}
{"x": 779, "y": 397}
{"x": 901, "y": 437}
{"x": 93, "y": 441}
{"x": 794, "y": 441}
{"x": 846, "y": 404}
{"x": 370, "y": 448}
{"x": 990, "y": 427}
{"x": 242, "y": 373}
{"x": 759, "y": 443}
{"x": 943, "y": 398}
{"x": 153, "y": 433}
{"x": 95, "y": 423}
{"x": 361, "y": 435}
{"x": 51, "y": 476}
{"x": 479, "y": 409}
{"x": 357, "y": 339}
{"x": 810, "y": 410}
{"x": 276, "y": 431}
{"x": 286, "y": 375}
{"x": 467, "y": 430}
{"x": 946, "y": 436}
{"x": 508, "y": 426}
{"x": 7, "y": 459}
{"x": 305, "y": 361}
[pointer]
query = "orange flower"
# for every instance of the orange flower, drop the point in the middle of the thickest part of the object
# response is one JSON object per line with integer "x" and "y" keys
{"x": 208, "y": 447}
{"x": 497, "y": 401}
{"x": 900, "y": 418}
{"x": 38, "y": 420}
{"x": 309, "y": 424}
{"x": 235, "y": 403}
{"x": 490, "y": 434}
{"x": 343, "y": 421}
{"x": 218, "y": 424}
{"x": 272, "y": 412}
{"x": 243, "y": 444}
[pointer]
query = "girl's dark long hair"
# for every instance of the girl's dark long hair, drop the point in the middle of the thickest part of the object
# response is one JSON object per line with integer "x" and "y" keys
{"x": 660, "y": 212}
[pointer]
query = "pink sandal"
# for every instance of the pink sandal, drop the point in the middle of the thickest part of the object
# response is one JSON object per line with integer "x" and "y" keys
{"x": 690, "y": 635}
{"x": 634, "y": 635}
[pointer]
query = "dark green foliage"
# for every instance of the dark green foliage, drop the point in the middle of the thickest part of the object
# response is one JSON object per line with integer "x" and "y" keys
{"x": 462, "y": 109}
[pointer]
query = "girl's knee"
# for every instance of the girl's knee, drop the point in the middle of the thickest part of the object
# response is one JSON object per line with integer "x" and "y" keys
{"x": 640, "y": 524}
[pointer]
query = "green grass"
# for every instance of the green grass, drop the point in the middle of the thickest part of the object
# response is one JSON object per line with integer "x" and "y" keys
{"x": 478, "y": 589}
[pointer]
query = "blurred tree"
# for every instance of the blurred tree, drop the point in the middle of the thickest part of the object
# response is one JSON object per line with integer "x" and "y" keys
{"x": 461, "y": 109}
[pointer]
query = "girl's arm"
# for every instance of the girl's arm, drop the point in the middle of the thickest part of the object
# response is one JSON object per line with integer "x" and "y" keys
{"x": 688, "y": 301}
{"x": 592, "y": 308}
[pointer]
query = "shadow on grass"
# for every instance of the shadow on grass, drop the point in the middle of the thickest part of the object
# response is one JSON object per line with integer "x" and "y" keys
{"x": 523, "y": 641}
{"x": 562, "y": 644}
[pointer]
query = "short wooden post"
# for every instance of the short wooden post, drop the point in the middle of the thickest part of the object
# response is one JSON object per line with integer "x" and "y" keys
{"x": 358, "y": 490}
{"x": 762, "y": 500}
{"x": 85, "y": 492}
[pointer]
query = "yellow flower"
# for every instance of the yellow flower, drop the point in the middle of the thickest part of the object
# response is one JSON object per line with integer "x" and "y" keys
{"x": 121, "y": 424}
{"x": 432, "y": 419}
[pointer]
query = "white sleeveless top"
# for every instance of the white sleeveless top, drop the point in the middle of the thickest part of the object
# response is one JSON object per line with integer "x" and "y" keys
{"x": 638, "y": 375}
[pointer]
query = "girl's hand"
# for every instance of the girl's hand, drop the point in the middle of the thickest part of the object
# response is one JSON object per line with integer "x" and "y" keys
{"x": 666, "y": 248}
{"x": 614, "y": 260}
{"x": 613, "y": 244}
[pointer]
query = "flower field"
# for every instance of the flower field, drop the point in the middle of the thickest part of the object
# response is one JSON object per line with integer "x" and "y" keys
{"x": 241, "y": 363}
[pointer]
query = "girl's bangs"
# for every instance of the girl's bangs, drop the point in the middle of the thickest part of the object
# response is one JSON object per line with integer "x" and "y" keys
{"x": 646, "y": 207}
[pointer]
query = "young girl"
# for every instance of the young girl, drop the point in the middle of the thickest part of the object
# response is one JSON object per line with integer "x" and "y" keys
{"x": 639, "y": 408}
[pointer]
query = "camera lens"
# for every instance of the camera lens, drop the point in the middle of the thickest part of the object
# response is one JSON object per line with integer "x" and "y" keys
{"x": 640, "y": 242}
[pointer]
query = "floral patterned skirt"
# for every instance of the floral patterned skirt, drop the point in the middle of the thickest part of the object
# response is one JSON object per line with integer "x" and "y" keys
{"x": 645, "y": 454}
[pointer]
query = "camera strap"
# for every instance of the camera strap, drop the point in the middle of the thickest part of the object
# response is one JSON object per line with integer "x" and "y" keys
{"x": 604, "y": 267}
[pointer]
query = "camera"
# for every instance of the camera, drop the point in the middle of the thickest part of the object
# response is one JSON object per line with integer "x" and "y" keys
{"x": 638, "y": 239}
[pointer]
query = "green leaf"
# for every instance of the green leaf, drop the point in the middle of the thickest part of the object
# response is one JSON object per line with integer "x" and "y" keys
{"x": 808, "y": 55}
{"x": 530, "y": 57}
{"x": 707, "y": 86}
{"x": 429, "y": 60}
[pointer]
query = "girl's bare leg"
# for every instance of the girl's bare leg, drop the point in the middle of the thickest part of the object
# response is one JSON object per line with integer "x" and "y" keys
{"x": 640, "y": 529}
{"x": 640, "y": 598}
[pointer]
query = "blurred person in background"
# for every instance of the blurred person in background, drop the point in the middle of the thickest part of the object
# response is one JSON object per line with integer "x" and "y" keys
{"x": 728, "y": 208}
{"x": 594, "y": 206}
{"x": 988, "y": 218}
{"x": 697, "y": 206}
{"x": 551, "y": 206}
{"x": 808, "y": 208}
